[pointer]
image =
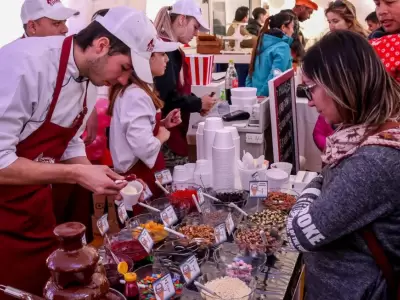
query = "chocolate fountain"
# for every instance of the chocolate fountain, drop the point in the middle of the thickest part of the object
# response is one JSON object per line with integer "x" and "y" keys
{"x": 74, "y": 268}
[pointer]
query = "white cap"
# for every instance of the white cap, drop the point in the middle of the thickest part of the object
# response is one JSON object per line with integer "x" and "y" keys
{"x": 136, "y": 31}
{"x": 33, "y": 10}
{"x": 190, "y": 8}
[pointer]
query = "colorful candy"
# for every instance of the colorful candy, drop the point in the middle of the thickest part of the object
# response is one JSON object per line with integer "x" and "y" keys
{"x": 148, "y": 294}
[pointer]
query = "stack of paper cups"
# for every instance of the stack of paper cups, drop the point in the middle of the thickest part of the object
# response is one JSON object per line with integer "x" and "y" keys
{"x": 202, "y": 173}
{"x": 200, "y": 141}
{"x": 223, "y": 164}
{"x": 236, "y": 143}
{"x": 211, "y": 125}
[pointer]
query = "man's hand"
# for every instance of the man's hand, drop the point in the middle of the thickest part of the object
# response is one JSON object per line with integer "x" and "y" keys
{"x": 100, "y": 180}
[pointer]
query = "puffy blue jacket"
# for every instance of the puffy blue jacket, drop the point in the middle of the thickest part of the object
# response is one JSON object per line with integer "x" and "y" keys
{"x": 273, "y": 53}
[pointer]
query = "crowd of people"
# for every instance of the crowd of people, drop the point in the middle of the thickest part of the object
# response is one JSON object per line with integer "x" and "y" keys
{"x": 345, "y": 221}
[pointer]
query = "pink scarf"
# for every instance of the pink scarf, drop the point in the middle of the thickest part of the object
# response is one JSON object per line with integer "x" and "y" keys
{"x": 345, "y": 142}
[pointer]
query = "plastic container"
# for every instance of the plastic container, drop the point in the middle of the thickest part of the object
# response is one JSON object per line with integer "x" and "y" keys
{"x": 238, "y": 197}
{"x": 228, "y": 255}
{"x": 276, "y": 178}
{"x": 153, "y": 224}
{"x": 129, "y": 198}
{"x": 244, "y": 92}
{"x": 281, "y": 199}
{"x": 111, "y": 269}
{"x": 124, "y": 242}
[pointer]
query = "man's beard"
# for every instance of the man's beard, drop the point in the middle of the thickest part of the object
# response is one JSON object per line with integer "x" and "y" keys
{"x": 95, "y": 69}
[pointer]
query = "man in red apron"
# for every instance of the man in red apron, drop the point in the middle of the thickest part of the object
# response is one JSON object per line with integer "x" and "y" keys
{"x": 43, "y": 102}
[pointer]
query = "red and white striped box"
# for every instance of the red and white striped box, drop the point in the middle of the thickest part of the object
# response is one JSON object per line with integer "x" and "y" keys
{"x": 201, "y": 67}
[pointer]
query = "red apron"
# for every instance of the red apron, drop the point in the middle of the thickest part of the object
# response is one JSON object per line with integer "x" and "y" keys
{"x": 146, "y": 174}
{"x": 26, "y": 212}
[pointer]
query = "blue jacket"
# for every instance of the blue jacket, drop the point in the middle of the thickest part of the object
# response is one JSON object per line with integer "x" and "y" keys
{"x": 273, "y": 53}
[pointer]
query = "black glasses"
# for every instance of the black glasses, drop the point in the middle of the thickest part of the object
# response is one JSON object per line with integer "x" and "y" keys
{"x": 304, "y": 91}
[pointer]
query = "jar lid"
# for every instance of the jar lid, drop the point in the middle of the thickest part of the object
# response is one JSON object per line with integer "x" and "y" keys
{"x": 130, "y": 277}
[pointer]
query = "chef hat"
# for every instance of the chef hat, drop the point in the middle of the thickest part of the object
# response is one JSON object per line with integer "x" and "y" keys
{"x": 136, "y": 31}
{"x": 33, "y": 10}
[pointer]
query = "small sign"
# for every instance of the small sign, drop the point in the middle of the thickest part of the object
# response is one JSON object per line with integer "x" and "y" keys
{"x": 164, "y": 177}
{"x": 180, "y": 186}
{"x": 190, "y": 269}
{"x": 220, "y": 234}
{"x": 146, "y": 241}
{"x": 258, "y": 189}
{"x": 230, "y": 225}
{"x": 200, "y": 197}
{"x": 122, "y": 214}
{"x": 147, "y": 194}
{"x": 164, "y": 288}
{"x": 103, "y": 225}
{"x": 168, "y": 216}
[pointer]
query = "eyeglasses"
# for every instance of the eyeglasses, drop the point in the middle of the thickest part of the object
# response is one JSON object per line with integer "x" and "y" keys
{"x": 305, "y": 90}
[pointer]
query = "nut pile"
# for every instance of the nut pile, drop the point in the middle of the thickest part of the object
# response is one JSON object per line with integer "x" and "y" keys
{"x": 269, "y": 218}
{"x": 280, "y": 201}
{"x": 250, "y": 239}
{"x": 199, "y": 232}
{"x": 216, "y": 217}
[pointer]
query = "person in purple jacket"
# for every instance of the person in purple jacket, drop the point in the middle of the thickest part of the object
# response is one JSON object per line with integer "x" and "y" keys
{"x": 321, "y": 131}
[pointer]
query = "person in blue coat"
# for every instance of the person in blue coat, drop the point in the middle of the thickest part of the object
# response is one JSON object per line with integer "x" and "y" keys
{"x": 272, "y": 52}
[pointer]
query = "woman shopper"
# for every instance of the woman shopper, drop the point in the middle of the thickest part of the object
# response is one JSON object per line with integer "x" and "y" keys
{"x": 341, "y": 14}
{"x": 271, "y": 53}
{"x": 345, "y": 219}
{"x": 137, "y": 130}
{"x": 179, "y": 23}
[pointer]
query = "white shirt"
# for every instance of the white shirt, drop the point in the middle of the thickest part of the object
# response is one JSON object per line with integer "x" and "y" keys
{"x": 28, "y": 72}
{"x": 131, "y": 130}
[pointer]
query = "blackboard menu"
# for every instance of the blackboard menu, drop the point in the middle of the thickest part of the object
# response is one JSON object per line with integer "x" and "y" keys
{"x": 283, "y": 119}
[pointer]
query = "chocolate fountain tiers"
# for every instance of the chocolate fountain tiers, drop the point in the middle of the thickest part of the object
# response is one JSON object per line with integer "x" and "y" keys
{"x": 74, "y": 268}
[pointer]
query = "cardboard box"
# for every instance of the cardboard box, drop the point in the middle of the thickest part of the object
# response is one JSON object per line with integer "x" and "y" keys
{"x": 99, "y": 205}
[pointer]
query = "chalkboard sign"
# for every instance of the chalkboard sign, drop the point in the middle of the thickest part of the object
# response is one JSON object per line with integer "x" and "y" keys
{"x": 282, "y": 102}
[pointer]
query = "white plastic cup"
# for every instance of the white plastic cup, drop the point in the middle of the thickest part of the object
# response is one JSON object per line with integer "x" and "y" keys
{"x": 190, "y": 169}
{"x": 130, "y": 199}
{"x": 284, "y": 166}
{"x": 223, "y": 139}
{"x": 276, "y": 178}
{"x": 244, "y": 92}
{"x": 180, "y": 174}
{"x": 213, "y": 123}
{"x": 200, "y": 141}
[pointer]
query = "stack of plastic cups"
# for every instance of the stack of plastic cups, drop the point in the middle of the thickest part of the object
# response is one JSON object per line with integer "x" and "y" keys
{"x": 211, "y": 125}
{"x": 190, "y": 171}
{"x": 200, "y": 141}
{"x": 180, "y": 177}
{"x": 202, "y": 174}
{"x": 236, "y": 143}
{"x": 223, "y": 156}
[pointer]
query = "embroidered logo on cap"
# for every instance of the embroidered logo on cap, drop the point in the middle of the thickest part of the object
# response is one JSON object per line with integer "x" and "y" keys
{"x": 150, "y": 46}
{"x": 52, "y": 2}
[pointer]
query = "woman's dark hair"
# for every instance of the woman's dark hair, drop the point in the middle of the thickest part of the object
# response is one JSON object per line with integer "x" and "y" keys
{"x": 94, "y": 31}
{"x": 372, "y": 17}
{"x": 100, "y": 12}
{"x": 241, "y": 13}
{"x": 346, "y": 66}
{"x": 273, "y": 22}
{"x": 257, "y": 12}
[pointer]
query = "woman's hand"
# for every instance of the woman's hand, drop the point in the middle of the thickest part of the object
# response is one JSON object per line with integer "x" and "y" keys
{"x": 163, "y": 134}
{"x": 173, "y": 119}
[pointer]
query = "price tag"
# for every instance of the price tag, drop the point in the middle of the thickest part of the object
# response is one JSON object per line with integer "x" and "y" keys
{"x": 164, "y": 288}
{"x": 103, "y": 225}
{"x": 200, "y": 197}
{"x": 230, "y": 225}
{"x": 220, "y": 234}
{"x": 147, "y": 193}
{"x": 164, "y": 177}
{"x": 168, "y": 216}
{"x": 146, "y": 241}
{"x": 122, "y": 214}
{"x": 84, "y": 242}
{"x": 258, "y": 189}
{"x": 180, "y": 186}
{"x": 190, "y": 269}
